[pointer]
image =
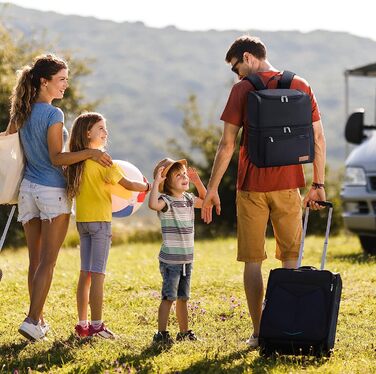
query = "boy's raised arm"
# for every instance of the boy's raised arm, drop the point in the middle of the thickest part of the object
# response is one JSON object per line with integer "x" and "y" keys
{"x": 196, "y": 180}
{"x": 154, "y": 202}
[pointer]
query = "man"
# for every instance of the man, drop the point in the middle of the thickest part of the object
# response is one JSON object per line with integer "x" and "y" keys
{"x": 262, "y": 193}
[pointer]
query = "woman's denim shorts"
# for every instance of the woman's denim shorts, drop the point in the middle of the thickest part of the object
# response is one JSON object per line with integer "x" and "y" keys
{"x": 95, "y": 242}
{"x": 176, "y": 281}
{"x": 43, "y": 202}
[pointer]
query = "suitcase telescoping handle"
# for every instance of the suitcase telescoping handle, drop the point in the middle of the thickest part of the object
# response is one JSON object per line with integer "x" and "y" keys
{"x": 3, "y": 236}
{"x": 301, "y": 250}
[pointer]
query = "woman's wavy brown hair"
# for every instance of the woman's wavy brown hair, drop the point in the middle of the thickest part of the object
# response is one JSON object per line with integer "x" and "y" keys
{"x": 27, "y": 87}
{"x": 79, "y": 140}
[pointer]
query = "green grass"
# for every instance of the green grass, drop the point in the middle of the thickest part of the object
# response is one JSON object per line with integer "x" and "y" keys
{"x": 218, "y": 314}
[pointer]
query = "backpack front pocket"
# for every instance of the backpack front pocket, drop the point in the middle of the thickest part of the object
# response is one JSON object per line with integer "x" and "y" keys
{"x": 287, "y": 150}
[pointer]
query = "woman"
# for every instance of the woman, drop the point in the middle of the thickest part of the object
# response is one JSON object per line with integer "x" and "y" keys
{"x": 43, "y": 205}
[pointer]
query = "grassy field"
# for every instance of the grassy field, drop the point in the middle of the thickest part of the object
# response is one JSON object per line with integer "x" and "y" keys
{"x": 218, "y": 315}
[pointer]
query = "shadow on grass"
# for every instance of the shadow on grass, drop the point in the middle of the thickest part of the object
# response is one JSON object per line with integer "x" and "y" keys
{"x": 126, "y": 362}
{"x": 218, "y": 364}
{"x": 356, "y": 258}
{"x": 258, "y": 365}
{"x": 140, "y": 361}
{"x": 9, "y": 350}
{"x": 60, "y": 353}
{"x": 221, "y": 364}
{"x": 300, "y": 362}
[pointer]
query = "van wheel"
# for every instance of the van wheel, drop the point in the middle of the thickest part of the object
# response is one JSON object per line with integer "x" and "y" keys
{"x": 368, "y": 244}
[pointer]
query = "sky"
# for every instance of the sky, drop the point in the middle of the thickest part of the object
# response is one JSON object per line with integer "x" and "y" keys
{"x": 355, "y": 17}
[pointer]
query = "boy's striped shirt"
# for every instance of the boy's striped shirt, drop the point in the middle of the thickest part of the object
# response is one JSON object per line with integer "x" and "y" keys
{"x": 177, "y": 223}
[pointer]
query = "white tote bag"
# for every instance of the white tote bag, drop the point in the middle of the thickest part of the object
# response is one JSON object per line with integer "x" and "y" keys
{"x": 11, "y": 168}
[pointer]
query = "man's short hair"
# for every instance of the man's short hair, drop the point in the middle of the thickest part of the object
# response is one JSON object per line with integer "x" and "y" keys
{"x": 246, "y": 43}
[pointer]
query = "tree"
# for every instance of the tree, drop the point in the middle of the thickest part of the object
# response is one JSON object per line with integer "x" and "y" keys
{"x": 13, "y": 55}
{"x": 199, "y": 148}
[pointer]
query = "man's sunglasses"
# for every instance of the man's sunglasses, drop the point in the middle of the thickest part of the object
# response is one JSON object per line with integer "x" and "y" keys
{"x": 234, "y": 68}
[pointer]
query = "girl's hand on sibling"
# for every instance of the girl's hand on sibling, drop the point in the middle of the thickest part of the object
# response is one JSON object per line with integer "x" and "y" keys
{"x": 101, "y": 157}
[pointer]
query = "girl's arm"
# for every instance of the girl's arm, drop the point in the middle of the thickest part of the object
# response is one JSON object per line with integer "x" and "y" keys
{"x": 59, "y": 158}
{"x": 196, "y": 180}
{"x": 132, "y": 185}
{"x": 154, "y": 202}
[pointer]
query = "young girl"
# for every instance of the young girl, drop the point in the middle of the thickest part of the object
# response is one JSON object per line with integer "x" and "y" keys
{"x": 175, "y": 209}
{"x": 90, "y": 184}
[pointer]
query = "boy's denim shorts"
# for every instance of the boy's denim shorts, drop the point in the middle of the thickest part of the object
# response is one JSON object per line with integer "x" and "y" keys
{"x": 43, "y": 202}
{"x": 95, "y": 242}
{"x": 176, "y": 281}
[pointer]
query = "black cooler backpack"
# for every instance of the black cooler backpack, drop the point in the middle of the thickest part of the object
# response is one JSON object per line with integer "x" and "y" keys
{"x": 280, "y": 128}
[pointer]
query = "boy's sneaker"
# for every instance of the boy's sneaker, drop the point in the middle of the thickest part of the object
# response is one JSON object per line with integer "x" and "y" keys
{"x": 82, "y": 331}
{"x": 253, "y": 341}
{"x": 31, "y": 331}
{"x": 101, "y": 331}
{"x": 187, "y": 335}
{"x": 162, "y": 337}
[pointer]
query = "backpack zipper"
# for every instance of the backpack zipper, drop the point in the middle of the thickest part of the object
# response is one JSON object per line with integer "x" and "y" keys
{"x": 284, "y": 99}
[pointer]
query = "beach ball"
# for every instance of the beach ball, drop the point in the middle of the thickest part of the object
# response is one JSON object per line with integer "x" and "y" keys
{"x": 124, "y": 202}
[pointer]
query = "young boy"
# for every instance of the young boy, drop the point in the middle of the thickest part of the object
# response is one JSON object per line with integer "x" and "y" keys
{"x": 175, "y": 207}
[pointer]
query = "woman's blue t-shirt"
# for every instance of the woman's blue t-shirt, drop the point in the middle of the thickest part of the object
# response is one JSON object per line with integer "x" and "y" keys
{"x": 38, "y": 168}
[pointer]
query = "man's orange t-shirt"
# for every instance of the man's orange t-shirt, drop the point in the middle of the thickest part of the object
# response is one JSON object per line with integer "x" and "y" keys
{"x": 250, "y": 177}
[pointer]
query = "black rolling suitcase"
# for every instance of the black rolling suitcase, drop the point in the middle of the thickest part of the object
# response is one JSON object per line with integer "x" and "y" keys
{"x": 301, "y": 306}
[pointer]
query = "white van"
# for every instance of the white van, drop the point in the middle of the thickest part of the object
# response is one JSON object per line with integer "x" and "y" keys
{"x": 358, "y": 191}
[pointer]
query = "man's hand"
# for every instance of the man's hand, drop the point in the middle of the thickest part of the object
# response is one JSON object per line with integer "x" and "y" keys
{"x": 314, "y": 194}
{"x": 212, "y": 198}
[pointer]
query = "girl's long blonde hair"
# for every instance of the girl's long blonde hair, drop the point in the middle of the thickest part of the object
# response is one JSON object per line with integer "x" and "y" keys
{"x": 27, "y": 87}
{"x": 79, "y": 140}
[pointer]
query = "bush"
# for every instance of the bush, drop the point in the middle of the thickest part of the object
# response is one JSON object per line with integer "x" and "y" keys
{"x": 72, "y": 239}
{"x": 145, "y": 236}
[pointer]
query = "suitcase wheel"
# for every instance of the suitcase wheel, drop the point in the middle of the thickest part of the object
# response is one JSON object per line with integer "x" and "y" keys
{"x": 266, "y": 352}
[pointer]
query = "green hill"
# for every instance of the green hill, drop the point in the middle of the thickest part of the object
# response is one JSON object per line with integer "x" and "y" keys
{"x": 144, "y": 75}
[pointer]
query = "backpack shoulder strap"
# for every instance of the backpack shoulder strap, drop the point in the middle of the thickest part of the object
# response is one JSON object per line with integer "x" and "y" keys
{"x": 256, "y": 82}
{"x": 286, "y": 79}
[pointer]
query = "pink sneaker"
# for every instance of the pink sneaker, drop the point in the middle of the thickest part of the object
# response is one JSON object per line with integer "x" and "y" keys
{"x": 81, "y": 331}
{"x": 101, "y": 331}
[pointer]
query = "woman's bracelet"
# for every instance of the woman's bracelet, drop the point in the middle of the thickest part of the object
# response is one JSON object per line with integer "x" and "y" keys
{"x": 148, "y": 187}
